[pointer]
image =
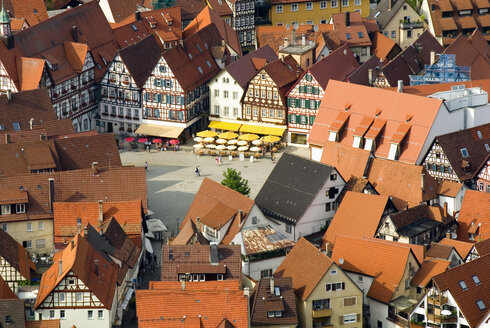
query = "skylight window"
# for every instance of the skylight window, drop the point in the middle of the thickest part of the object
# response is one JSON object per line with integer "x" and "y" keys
{"x": 198, "y": 47}
{"x": 133, "y": 27}
{"x": 16, "y": 126}
{"x": 463, "y": 285}
{"x": 476, "y": 280}
{"x": 487, "y": 147}
{"x": 277, "y": 291}
{"x": 199, "y": 69}
{"x": 360, "y": 34}
{"x": 481, "y": 305}
{"x": 464, "y": 152}
{"x": 2, "y": 127}
{"x": 190, "y": 56}
{"x": 479, "y": 135}
{"x": 208, "y": 63}
{"x": 347, "y": 35}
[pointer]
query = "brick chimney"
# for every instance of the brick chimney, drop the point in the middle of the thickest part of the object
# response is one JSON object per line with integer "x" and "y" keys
{"x": 272, "y": 285}
{"x": 95, "y": 168}
{"x": 101, "y": 212}
{"x": 7, "y": 138}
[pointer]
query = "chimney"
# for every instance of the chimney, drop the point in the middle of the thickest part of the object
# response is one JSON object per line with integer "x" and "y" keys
{"x": 400, "y": 86}
{"x": 85, "y": 231}
{"x": 182, "y": 284}
{"x": 445, "y": 209}
{"x": 432, "y": 57}
{"x": 60, "y": 267}
{"x": 31, "y": 123}
{"x": 282, "y": 58}
{"x": 448, "y": 235}
{"x": 95, "y": 170}
{"x": 370, "y": 77}
{"x": 286, "y": 42}
{"x": 51, "y": 194}
{"x": 198, "y": 224}
{"x": 9, "y": 95}
{"x": 96, "y": 267}
{"x": 72, "y": 244}
{"x": 303, "y": 40}
{"x": 390, "y": 3}
{"x": 298, "y": 73}
{"x": 42, "y": 136}
{"x": 272, "y": 285}
{"x": 7, "y": 138}
{"x": 137, "y": 16}
{"x": 74, "y": 33}
{"x": 422, "y": 181}
{"x": 327, "y": 246}
{"x": 347, "y": 19}
{"x": 246, "y": 293}
{"x": 101, "y": 212}
{"x": 79, "y": 225}
{"x": 10, "y": 41}
{"x": 240, "y": 216}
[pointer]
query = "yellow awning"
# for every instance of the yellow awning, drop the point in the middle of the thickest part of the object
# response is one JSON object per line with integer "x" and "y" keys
{"x": 264, "y": 130}
{"x": 224, "y": 126}
{"x": 159, "y": 130}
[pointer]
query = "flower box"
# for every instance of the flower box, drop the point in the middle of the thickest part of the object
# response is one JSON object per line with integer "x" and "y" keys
{"x": 112, "y": 80}
{"x": 126, "y": 82}
{"x": 127, "y": 117}
{"x": 129, "y": 130}
{"x": 55, "y": 95}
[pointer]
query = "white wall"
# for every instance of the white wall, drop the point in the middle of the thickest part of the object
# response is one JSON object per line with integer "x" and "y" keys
{"x": 277, "y": 225}
{"x": 253, "y": 269}
{"x": 78, "y": 318}
{"x": 363, "y": 285}
{"x": 316, "y": 153}
{"x": 453, "y": 204}
{"x": 379, "y": 311}
{"x": 218, "y": 84}
{"x": 104, "y": 5}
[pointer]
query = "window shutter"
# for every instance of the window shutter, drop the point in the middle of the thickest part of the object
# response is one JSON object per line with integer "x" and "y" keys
{"x": 334, "y": 287}
{"x": 168, "y": 99}
{"x": 341, "y": 319}
{"x": 182, "y": 100}
{"x": 159, "y": 98}
{"x": 289, "y": 118}
{"x": 170, "y": 82}
{"x": 155, "y": 82}
{"x": 146, "y": 96}
{"x": 307, "y": 103}
{"x": 358, "y": 317}
{"x": 297, "y": 102}
{"x": 289, "y": 102}
{"x": 312, "y": 120}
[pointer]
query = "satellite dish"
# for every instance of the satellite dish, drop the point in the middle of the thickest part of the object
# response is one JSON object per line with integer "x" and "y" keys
{"x": 446, "y": 312}
{"x": 341, "y": 261}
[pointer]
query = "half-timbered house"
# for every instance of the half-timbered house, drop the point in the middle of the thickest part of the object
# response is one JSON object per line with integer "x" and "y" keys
{"x": 79, "y": 287}
{"x": 121, "y": 86}
{"x": 264, "y": 101}
{"x": 176, "y": 92}
{"x": 462, "y": 156}
{"x": 15, "y": 263}
{"x": 305, "y": 96}
{"x": 243, "y": 21}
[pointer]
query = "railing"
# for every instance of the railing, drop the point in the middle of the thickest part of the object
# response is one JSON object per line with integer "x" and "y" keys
{"x": 399, "y": 320}
{"x": 321, "y": 313}
{"x": 406, "y": 25}
{"x": 437, "y": 300}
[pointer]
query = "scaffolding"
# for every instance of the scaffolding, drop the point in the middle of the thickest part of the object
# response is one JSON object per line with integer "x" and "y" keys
{"x": 442, "y": 71}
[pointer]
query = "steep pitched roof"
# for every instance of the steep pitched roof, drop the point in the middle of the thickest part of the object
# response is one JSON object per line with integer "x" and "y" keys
{"x": 468, "y": 55}
{"x": 221, "y": 8}
{"x": 392, "y": 110}
{"x": 361, "y": 75}
{"x": 382, "y": 45}
{"x": 291, "y": 187}
{"x": 347, "y": 222}
{"x": 453, "y": 143}
{"x": 16, "y": 255}
{"x": 243, "y": 69}
{"x": 187, "y": 231}
{"x": 429, "y": 269}
{"x": 305, "y": 265}
{"x": 141, "y": 58}
{"x": 449, "y": 188}
{"x": 5, "y": 292}
{"x": 122, "y": 9}
{"x": 483, "y": 247}
{"x": 51, "y": 323}
{"x": 349, "y": 161}
{"x": 383, "y": 14}
{"x": 404, "y": 184}
{"x": 90, "y": 266}
{"x": 408, "y": 222}
{"x": 34, "y": 11}
{"x": 439, "y": 251}
{"x": 474, "y": 215}
{"x": 211, "y": 195}
{"x": 263, "y": 239}
{"x": 262, "y": 300}
{"x": 283, "y": 71}
{"x": 467, "y": 298}
{"x": 462, "y": 247}
{"x": 386, "y": 263}
{"x": 172, "y": 308}
{"x": 354, "y": 34}
{"x": 274, "y": 35}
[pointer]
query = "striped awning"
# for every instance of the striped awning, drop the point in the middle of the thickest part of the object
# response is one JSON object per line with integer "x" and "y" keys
{"x": 224, "y": 126}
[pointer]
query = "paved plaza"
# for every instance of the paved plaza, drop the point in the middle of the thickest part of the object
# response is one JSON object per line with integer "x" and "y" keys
{"x": 172, "y": 183}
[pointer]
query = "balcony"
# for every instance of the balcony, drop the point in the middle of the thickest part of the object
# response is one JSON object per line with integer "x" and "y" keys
{"x": 321, "y": 313}
{"x": 404, "y": 25}
{"x": 399, "y": 320}
{"x": 437, "y": 300}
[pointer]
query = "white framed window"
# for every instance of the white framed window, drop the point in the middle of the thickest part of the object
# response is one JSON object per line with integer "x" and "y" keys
{"x": 79, "y": 296}
{"x": 225, "y": 94}
{"x": 335, "y": 3}
{"x": 100, "y": 314}
{"x": 323, "y": 5}
{"x": 51, "y": 314}
{"x": 202, "y": 277}
{"x": 216, "y": 109}
{"x": 5, "y": 209}
{"x": 309, "y": 6}
{"x": 62, "y": 297}
{"x": 20, "y": 208}
{"x": 289, "y": 228}
{"x": 279, "y": 9}
{"x": 264, "y": 112}
{"x": 27, "y": 244}
{"x": 357, "y": 2}
{"x": 216, "y": 93}
{"x": 62, "y": 314}
{"x": 227, "y": 111}
{"x": 40, "y": 225}
{"x": 219, "y": 277}
{"x": 348, "y": 318}
{"x": 29, "y": 226}
{"x": 248, "y": 110}
{"x": 294, "y": 7}
{"x": 345, "y": 3}
{"x": 235, "y": 111}
{"x": 235, "y": 95}
{"x": 308, "y": 22}
{"x": 90, "y": 314}
{"x": 255, "y": 111}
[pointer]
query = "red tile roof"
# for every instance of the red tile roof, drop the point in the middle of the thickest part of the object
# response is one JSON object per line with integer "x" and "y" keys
{"x": 468, "y": 55}
{"x": 5, "y": 292}
{"x": 428, "y": 89}
{"x": 45, "y": 323}
{"x": 429, "y": 269}
{"x": 449, "y": 188}
{"x": 256, "y": 240}
{"x": 195, "y": 285}
{"x": 355, "y": 34}
{"x": 462, "y": 247}
{"x": 483, "y": 247}
{"x": 305, "y": 265}
{"x": 386, "y": 262}
{"x": 349, "y": 161}
{"x": 34, "y": 11}
{"x": 189, "y": 234}
{"x": 16, "y": 255}
{"x": 392, "y": 107}
{"x": 274, "y": 35}
{"x": 475, "y": 212}
{"x": 91, "y": 267}
{"x": 220, "y": 7}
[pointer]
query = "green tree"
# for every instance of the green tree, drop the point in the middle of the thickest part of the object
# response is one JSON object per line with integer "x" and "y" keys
{"x": 234, "y": 180}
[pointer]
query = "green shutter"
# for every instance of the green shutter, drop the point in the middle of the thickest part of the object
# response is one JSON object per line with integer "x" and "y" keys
{"x": 289, "y": 102}
{"x": 312, "y": 120}
{"x": 297, "y": 102}
{"x": 289, "y": 118}
{"x": 307, "y": 103}
{"x": 298, "y": 119}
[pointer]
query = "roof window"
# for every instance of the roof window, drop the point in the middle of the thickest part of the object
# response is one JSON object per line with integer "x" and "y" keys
{"x": 277, "y": 291}
{"x": 208, "y": 63}
{"x": 487, "y": 147}
{"x": 198, "y": 47}
{"x": 481, "y": 305}
{"x": 16, "y": 126}
{"x": 2, "y": 127}
{"x": 199, "y": 69}
{"x": 190, "y": 56}
{"x": 463, "y": 285}
{"x": 479, "y": 134}
{"x": 360, "y": 34}
{"x": 347, "y": 35}
{"x": 464, "y": 152}
{"x": 476, "y": 280}
{"x": 133, "y": 27}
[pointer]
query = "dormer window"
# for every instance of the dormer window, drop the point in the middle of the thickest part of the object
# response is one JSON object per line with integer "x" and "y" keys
{"x": 2, "y": 127}
{"x": 20, "y": 208}
{"x": 200, "y": 69}
{"x": 487, "y": 147}
{"x": 5, "y": 209}
{"x": 360, "y": 34}
{"x": 347, "y": 35}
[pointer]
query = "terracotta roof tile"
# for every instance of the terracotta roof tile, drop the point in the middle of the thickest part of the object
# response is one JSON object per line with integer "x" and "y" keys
{"x": 258, "y": 240}
{"x": 17, "y": 24}
{"x": 475, "y": 210}
{"x": 305, "y": 265}
{"x": 52, "y": 323}
{"x": 429, "y": 269}
{"x": 29, "y": 72}
{"x": 187, "y": 233}
{"x": 462, "y": 247}
{"x": 468, "y": 55}
{"x": 274, "y": 35}
{"x": 356, "y": 184}
{"x": 5, "y": 292}
{"x": 428, "y": 89}
{"x": 122, "y": 9}
{"x": 405, "y": 220}
{"x": 195, "y": 285}
{"x": 356, "y": 31}
{"x": 34, "y": 11}
{"x": 483, "y": 247}
{"x": 220, "y": 7}
{"x": 346, "y": 220}
{"x": 158, "y": 308}
{"x": 75, "y": 54}
{"x": 386, "y": 263}
{"x": 91, "y": 267}
{"x": 439, "y": 251}
{"x": 449, "y": 188}
{"x": 190, "y": 8}
{"x": 16, "y": 255}
{"x": 467, "y": 299}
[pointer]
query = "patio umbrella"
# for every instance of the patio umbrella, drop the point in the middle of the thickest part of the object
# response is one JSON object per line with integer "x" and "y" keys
{"x": 129, "y": 139}
{"x": 174, "y": 142}
{"x": 221, "y": 147}
{"x": 198, "y": 146}
{"x": 198, "y": 139}
{"x": 211, "y": 146}
{"x": 270, "y": 139}
{"x": 232, "y": 142}
{"x": 231, "y": 147}
{"x": 157, "y": 140}
{"x": 142, "y": 140}
{"x": 242, "y": 143}
{"x": 228, "y": 135}
{"x": 255, "y": 149}
{"x": 248, "y": 137}
{"x": 209, "y": 139}
{"x": 257, "y": 142}
{"x": 207, "y": 133}
{"x": 221, "y": 141}
{"x": 242, "y": 148}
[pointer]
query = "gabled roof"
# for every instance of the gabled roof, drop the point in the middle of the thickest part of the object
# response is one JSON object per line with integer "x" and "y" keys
{"x": 243, "y": 69}
{"x": 474, "y": 215}
{"x": 221, "y": 8}
{"x": 263, "y": 239}
{"x": 208, "y": 16}
{"x": 16, "y": 255}
{"x": 439, "y": 251}
{"x": 468, "y": 55}
{"x": 305, "y": 265}
{"x": 355, "y": 34}
{"x": 467, "y": 299}
{"x": 122, "y": 9}
{"x": 393, "y": 108}
{"x": 51, "y": 323}
{"x": 348, "y": 161}
{"x": 291, "y": 187}
{"x": 262, "y": 300}
{"x": 179, "y": 307}
{"x": 211, "y": 194}
{"x": 34, "y": 11}
{"x": 356, "y": 184}
{"x": 411, "y": 221}
{"x": 274, "y": 35}
{"x": 386, "y": 262}
{"x": 453, "y": 143}
{"x": 347, "y": 221}
{"x": 429, "y": 269}
{"x": 483, "y": 247}
{"x": 141, "y": 58}
{"x": 283, "y": 71}
{"x": 402, "y": 182}
{"x": 196, "y": 259}
{"x": 187, "y": 231}
{"x": 449, "y": 188}
{"x": 382, "y": 46}
{"x": 90, "y": 266}
{"x": 462, "y": 247}
{"x": 383, "y": 14}
{"x": 361, "y": 75}
{"x": 29, "y": 72}
{"x": 5, "y": 292}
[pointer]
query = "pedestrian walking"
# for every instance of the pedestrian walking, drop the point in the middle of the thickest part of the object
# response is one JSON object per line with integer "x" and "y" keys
{"x": 220, "y": 160}
{"x": 217, "y": 160}
{"x": 198, "y": 172}
{"x": 146, "y": 166}
{"x": 272, "y": 156}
